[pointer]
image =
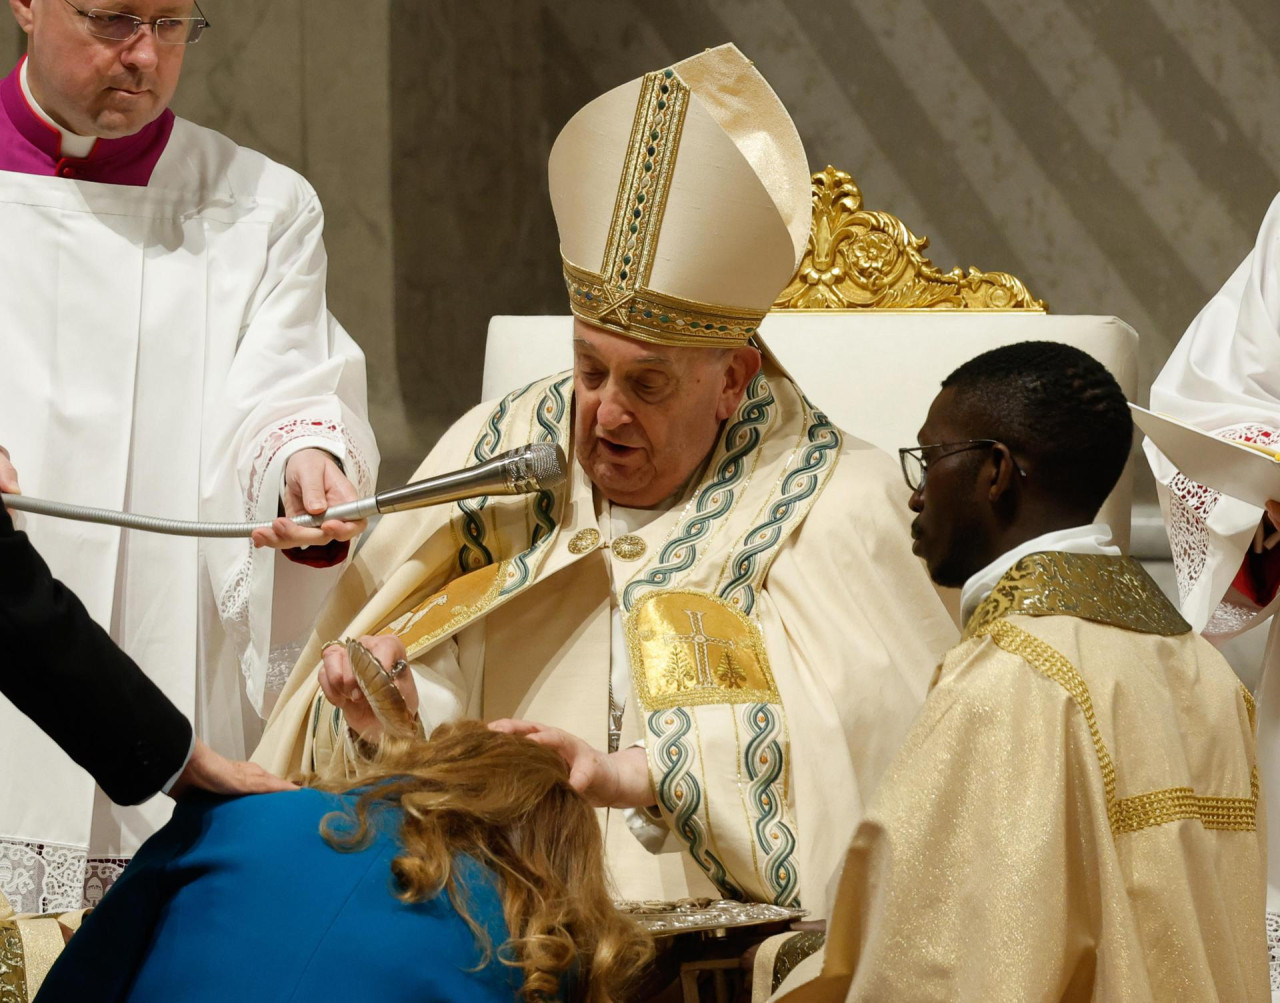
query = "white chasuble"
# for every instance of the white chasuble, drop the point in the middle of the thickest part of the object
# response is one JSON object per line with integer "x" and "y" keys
{"x": 1224, "y": 377}
{"x": 166, "y": 348}
{"x": 773, "y": 612}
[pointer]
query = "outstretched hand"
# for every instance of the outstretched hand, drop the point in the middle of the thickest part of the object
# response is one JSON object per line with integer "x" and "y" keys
{"x": 313, "y": 482}
{"x": 606, "y": 780}
{"x": 207, "y": 770}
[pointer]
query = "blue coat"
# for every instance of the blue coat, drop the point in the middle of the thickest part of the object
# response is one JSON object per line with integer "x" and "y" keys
{"x": 242, "y": 899}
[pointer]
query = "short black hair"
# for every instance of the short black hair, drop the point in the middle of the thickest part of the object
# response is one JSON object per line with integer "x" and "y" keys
{"x": 1057, "y": 406}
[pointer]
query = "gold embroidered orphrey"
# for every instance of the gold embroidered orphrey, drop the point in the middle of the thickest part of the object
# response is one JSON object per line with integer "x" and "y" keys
{"x": 448, "y": 610}
{"x": 1117, "y": 592}
{"x": 694, "y": 649}
{"x": 618, "y": 296}
{"x": 860, "y": 259}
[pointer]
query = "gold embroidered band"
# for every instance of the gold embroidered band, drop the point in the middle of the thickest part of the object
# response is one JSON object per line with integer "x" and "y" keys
{"x": 1116, "y": 591}
{"x": 650, "y": 316}
{"x": 1174, "y": 803}
{"x": 646, "y": 180}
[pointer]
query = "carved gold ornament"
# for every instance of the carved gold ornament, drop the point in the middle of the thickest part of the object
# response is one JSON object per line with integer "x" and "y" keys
{"x": 860, "y": 259}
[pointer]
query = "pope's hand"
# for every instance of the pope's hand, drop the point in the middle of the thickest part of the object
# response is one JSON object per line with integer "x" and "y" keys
{"x": 207, "y": 770}
{"x": 606, "y": 780}
{"x": 313, "y": 482}
{"x": 338, "y": 681}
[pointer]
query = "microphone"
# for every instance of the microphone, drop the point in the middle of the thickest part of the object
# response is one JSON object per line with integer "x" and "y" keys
{"x": 536, "y": 467}
{"x": 530, "y": 468}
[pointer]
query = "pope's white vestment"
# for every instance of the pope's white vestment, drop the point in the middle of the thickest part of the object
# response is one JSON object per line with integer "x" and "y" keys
{"x": 166, "y": 349}
{"x": 770, "y": 632}
{"x": 1224, "y": 377}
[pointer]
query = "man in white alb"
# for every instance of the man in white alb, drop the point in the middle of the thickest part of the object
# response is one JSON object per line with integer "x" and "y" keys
{"x": 168, "y": 350}
{"x": 1224, "y": 377}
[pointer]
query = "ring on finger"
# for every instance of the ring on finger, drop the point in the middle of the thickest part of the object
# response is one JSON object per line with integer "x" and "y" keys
{"x": 330, "y": 644}
{"x": 397, "y": 668}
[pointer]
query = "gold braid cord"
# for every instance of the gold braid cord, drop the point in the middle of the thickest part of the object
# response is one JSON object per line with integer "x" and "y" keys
{"x": 860, "y": 259}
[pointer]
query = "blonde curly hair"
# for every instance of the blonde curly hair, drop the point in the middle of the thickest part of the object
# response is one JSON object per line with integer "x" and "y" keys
{"x": 506, "y": 802}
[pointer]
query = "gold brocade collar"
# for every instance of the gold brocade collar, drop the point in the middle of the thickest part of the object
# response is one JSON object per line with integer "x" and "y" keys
{"x": 1116, "y": 591}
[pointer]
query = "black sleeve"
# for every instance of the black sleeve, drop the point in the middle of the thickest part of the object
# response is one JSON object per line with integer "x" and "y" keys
{"x": 64, "y": 672}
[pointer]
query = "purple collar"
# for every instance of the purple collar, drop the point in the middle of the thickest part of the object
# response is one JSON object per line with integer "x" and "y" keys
{"x": 30, "y": 145}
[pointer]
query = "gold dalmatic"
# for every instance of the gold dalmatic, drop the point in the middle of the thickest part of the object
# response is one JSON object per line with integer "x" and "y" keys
{"x": 1118, "y": 592}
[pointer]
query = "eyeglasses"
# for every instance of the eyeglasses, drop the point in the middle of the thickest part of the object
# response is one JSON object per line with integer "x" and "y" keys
{"x": 120, "y": 27}
{"x": 915, "y": 467}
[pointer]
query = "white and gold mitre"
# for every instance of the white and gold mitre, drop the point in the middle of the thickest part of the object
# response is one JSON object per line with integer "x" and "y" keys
{"x": 683, "y": 203}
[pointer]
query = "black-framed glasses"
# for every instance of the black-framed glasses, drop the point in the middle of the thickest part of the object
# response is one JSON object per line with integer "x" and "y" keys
{"x": 120, "y": 27}
{"x": 915, "y": 467}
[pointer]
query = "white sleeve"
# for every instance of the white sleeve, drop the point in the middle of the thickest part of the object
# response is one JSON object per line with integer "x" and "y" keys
{"x": 297, "y": 380}
{"x": 443, "y": 688}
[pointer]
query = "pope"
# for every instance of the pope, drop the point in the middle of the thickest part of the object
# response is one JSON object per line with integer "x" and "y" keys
{"x": 722, "y": 590}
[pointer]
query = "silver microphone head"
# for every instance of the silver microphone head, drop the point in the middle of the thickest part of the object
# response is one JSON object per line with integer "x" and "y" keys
{"x": 539, "y": 466}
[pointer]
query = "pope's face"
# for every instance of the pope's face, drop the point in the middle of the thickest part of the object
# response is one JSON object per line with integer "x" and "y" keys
{"x": 646, "y": 416}
{"x": 96, "y": 86}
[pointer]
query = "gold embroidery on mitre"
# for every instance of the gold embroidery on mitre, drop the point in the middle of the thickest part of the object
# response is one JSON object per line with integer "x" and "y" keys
{"x": 629, "y": 547}
{"x": 446, "y": 611}
{"x": 1115, "y": 591}
{"x": 584, "y": 541}
{"x": 655, "y": 317}
{"x": 693, "y": 648}
{"x": 646, "y": 181}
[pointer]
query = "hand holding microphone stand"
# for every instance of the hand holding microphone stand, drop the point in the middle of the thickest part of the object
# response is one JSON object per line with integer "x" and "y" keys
{"x": 537, "y": 467}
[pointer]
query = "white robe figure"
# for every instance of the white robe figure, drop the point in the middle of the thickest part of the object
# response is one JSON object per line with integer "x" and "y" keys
{"x": 564, "y": 609}
{"x": 1224, "y": 377}
{"x": 166, "y": 349}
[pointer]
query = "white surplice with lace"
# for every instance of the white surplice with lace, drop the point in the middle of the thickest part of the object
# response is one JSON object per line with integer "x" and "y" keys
{"x": 166, "y": 349}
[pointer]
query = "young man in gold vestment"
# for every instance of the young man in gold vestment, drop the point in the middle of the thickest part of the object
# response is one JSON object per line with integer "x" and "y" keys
{"x": 721, "y": 592}
{"x": 1075, "y": 813}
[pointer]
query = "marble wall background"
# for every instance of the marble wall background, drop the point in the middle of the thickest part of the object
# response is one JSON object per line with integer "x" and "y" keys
{"x": 1116, "y": 156}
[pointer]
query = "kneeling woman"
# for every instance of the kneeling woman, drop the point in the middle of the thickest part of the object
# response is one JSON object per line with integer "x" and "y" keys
{"x": 460, "y": 868}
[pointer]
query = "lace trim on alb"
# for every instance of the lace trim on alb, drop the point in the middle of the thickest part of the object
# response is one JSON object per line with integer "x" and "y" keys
{"x": 51, "y": 877}
{"x": 233, "y": 604}
{"x": 1230, "y": 618}
{"x": 1273, "y": 948}
{"x": 280, "y": 662}
{"x": 1190, "y": 505}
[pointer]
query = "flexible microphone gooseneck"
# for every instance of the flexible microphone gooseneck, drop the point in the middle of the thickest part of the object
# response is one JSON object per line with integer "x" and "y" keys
{"x": 535, "y": 467}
